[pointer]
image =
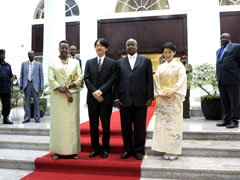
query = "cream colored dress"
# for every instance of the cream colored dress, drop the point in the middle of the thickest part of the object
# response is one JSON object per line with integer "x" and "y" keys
{"x": 167, "y": 135}
{"x": 64, "y": 116}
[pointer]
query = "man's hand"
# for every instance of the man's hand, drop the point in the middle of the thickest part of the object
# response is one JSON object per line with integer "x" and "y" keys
{"x": 21, "y": 90}
{"x": 117, "y": 103}
{"x": 62, "y": 89}
{"x": 149, "y": 102}
{"x": 100, "y": 99}
{"x": 96, "y": 94}
{"x": 40, "y": 93}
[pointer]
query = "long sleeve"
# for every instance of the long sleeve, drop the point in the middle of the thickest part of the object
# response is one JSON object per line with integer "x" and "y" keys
{"x": 79, "y": 79}
{"x": 150, "y": 80}
{"x": 181, "y": 85}
{"x": 53, "y": 84}
{"x": 87, "y": 79}
{"x": 157, "y": 87}
{"x": 41, "y": 76}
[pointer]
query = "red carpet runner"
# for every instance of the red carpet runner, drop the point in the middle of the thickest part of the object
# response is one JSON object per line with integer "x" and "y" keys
{"x": 85, "y": 168}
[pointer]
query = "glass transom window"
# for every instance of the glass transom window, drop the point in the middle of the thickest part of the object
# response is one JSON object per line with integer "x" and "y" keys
{"x": 141, "y": 5}
{"x": 71, "y": 9}
{"x": 229, "y": 2}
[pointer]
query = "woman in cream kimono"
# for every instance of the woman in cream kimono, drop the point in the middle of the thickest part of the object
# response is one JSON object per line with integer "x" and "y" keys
{"x": 169, "y": 89}
{"x": 65, "y": 78}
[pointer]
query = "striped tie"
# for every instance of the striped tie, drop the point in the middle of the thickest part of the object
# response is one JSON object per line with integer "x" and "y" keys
{"x": 30, "y": 72}
{"x": 99, "y": 65}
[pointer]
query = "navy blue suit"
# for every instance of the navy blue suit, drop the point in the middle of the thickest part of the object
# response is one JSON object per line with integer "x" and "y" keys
{"x": 133, "y": 88}
{"x": 228, "y": 78}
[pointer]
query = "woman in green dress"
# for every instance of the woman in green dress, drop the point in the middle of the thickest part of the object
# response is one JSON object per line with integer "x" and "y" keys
{"x": 65, "y": 79}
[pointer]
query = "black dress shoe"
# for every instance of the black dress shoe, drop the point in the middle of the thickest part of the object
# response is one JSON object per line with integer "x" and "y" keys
{"x": 222, "y": 123}
{"x": 6, "y": 121}
{"x": 37, "y": 121}
{"x": 94, "y": 153}
{"x": 26, "y": 121}
{"x": 232, "y": 125}
{"x": 126, "y": 155}
{"x": 104, "y": 154}
{"x": 138, "y": 156}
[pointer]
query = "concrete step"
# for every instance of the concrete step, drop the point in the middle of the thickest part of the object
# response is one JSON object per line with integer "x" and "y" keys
{"x": 206, "y": 135}
{"x": 13, "y": 174}
{"x": 191, "y": 168}
{"x": 201, "y": 129}
{"x": 24, "y": 142}
{"x": 19, "y": 159}
{"x": 202, "y": 148}
{"x": 20, "y": 129}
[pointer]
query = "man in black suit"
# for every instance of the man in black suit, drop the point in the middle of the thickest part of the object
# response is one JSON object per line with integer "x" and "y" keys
{"x": 99, "y": 77}
{"x": 133, "y": 93}
{"x": 228, "y": 78}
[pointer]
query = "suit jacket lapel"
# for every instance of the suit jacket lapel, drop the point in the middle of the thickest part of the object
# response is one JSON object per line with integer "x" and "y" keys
{"x": 34, "y": 67}
{"x": 127, "y": 63}
{"x": 226, "y": 51}
{"x": 137, "y": 62}
{"x": 104, "y": 62}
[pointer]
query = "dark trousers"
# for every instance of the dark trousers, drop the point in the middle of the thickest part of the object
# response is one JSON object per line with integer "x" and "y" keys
{"x": 230, "y": 97}
{"x": 104, "y": 112}
{"x": 6, "y": 103}
{"x": 186, "y": 105}
{"x": 133, "y": 117}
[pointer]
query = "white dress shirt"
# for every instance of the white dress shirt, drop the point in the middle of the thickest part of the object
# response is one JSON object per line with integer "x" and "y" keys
{"x": 132, "y": 60}
{"x": 30, "y": 70}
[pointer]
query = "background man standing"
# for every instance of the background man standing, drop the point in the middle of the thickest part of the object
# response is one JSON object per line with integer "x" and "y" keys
{"x": 228, "y": 78}
{"x": 99, "y": 77}
{"x": 5, "y": 87}
{"x": 31, "y": 83}
{"x": 133, "y": 93}
{"x": 73, "y": 52}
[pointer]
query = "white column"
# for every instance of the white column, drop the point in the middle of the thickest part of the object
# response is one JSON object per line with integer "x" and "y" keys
{"x": 54, "y": 31}
{"x": 203, "y": 31}
{"x": 203, "y": 38}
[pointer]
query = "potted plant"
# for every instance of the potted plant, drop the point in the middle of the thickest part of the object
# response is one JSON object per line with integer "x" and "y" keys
{"x": 204, "y": 77}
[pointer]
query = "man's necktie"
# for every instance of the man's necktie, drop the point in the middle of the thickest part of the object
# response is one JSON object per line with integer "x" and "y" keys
{"x": 99, "y": 65}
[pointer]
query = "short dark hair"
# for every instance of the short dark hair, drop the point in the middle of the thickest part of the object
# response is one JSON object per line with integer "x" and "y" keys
{"x": 64, "y": 41}
{"x": 2, "y": 50}
{"x": 102, "y": 41}
{"x": 169, "y": 45}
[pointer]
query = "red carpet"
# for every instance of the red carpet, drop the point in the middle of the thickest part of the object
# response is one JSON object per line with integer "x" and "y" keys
{"x": 85, "y": 168}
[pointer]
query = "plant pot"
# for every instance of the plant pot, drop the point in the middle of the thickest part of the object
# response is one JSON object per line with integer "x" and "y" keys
{"x": 212, "y": 108}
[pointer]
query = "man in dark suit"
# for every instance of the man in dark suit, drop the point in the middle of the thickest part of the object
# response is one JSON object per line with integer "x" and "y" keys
{"x": 133, "y": 93}
{"x": 99, "y": 77}
{"x": 5, "y": 87}
{"x": 31, "y": 83}
{"x": 228, "y": 78}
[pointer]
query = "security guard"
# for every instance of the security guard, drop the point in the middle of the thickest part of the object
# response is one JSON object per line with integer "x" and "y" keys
{"x": 5, "y": 87}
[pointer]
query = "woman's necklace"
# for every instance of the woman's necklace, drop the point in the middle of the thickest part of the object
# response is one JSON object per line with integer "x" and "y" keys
{"x": 64, "y": 61}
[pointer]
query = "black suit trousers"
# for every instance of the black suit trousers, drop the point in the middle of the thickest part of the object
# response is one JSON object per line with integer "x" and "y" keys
{"x": 230, "y": 97}
{"x": 133, "y": 116}
{"x": 6, "y": 103}
{"x": 102, "y": 111}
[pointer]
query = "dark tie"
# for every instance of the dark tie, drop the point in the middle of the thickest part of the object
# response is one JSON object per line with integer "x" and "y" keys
{"x": 99, "y": 65}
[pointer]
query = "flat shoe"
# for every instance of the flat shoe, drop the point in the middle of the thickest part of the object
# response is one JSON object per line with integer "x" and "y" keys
{"x": 166, "y": 156}
{"x": 75, "y": 156}
{"x": 55, "y": 157}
